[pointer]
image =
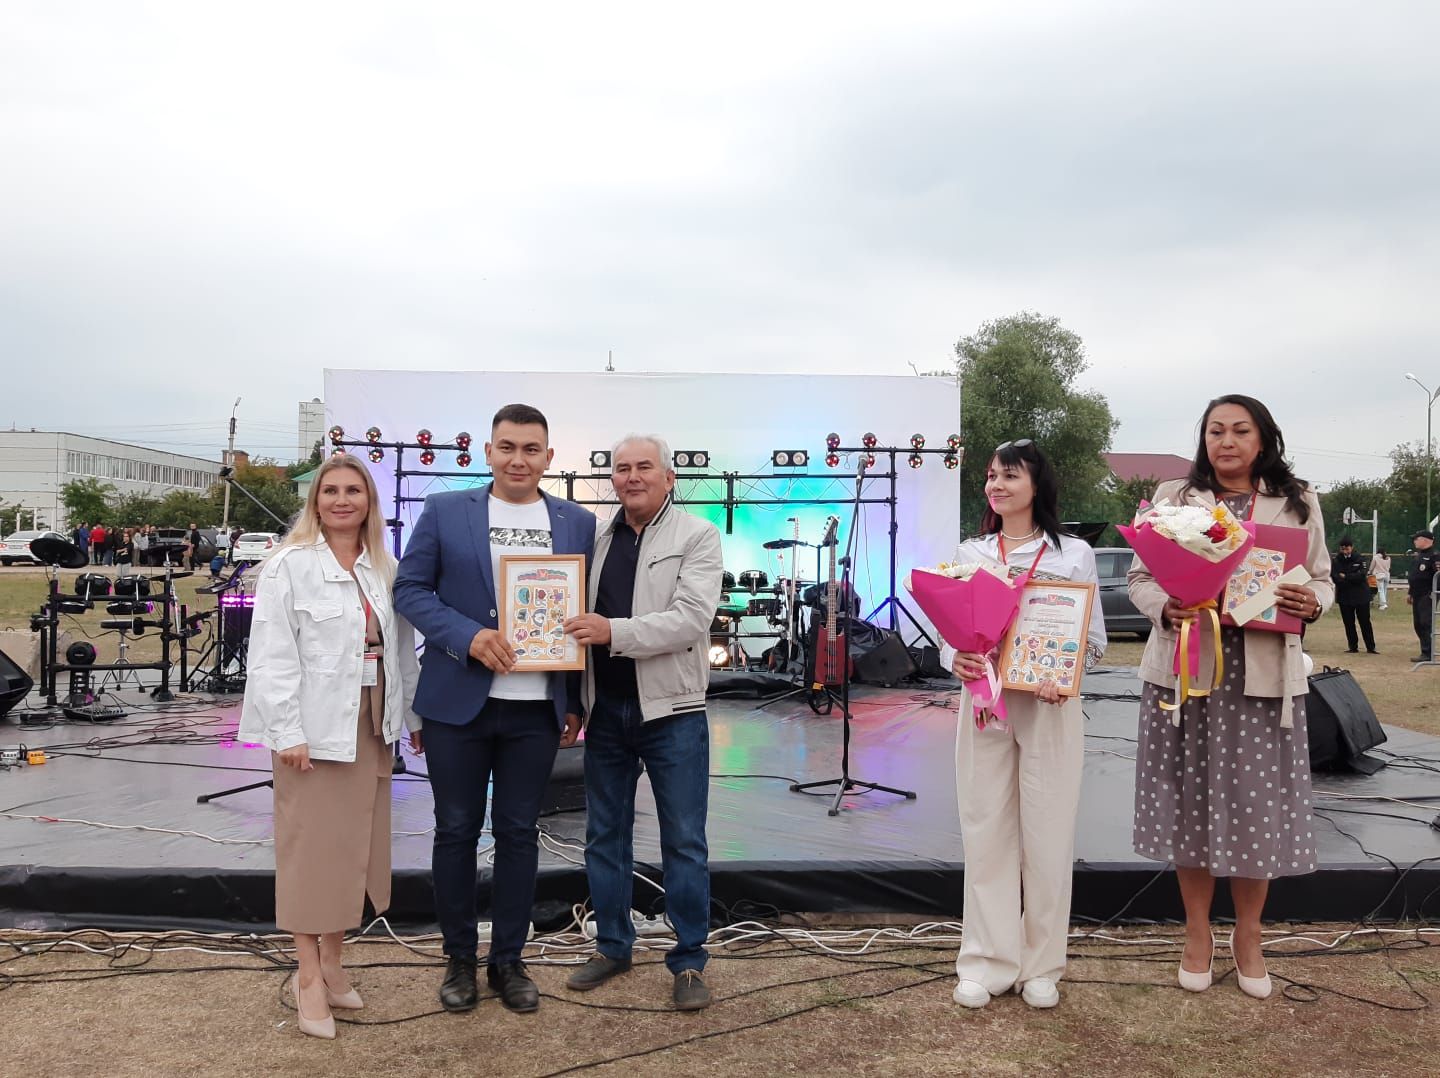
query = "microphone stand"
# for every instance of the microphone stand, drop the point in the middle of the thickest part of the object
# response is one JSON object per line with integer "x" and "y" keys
{"x": 845, "y": 783}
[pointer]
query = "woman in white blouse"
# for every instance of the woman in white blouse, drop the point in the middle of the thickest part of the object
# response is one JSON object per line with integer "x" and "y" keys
{"x": 1380, "y": 570}
{"x": 1019, "y": 784}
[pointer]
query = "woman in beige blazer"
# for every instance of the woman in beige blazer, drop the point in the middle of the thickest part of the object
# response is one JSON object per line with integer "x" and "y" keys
{"x": 1222, "y": 787}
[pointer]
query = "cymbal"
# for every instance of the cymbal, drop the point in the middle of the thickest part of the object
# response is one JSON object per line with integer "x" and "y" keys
{"x": 59, "y": 552}
{"x": 785, "y": 544}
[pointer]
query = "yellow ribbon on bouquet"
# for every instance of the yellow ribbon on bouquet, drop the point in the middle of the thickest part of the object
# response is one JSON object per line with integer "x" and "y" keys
{"x": 1183, "y": 688}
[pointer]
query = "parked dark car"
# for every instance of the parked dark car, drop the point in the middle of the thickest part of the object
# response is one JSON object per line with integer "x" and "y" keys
{"x": 1112, "y": 563}
{"x": 171, "y": 545}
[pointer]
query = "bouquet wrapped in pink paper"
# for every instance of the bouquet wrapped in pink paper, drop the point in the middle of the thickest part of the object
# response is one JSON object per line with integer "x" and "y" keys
{"x": 972, "y": 605}
{"x": 1191, "y": 551}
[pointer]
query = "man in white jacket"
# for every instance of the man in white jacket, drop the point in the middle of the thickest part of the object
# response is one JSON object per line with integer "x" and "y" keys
{"x": 654, "y": 590}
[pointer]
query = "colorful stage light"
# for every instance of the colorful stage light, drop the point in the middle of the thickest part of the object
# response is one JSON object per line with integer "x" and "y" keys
{"x": 952, "y": 460}
{"x": 869, "y": 462}
{"x": 463, "y": 459}
{"x": 832, "y": 460}
{"x": 832, "y": 441}
{"x": 376, "y": 455}
{"x": 692, "y": 458}
{"x": 868, "y": 440}
{"x": 423, "y": 436}
{"x": 915, "y": 460}
{"x": 790, "y": 458}
{"x": 917, "y": 441}
{"x": 600, "y": 460}
{"x": 337, "y": 434}
{"x": 462, "y": 441}
{"x": 372, "y": 435}
{"x": 427, "y": 457}
{"x": 953, "y": 442}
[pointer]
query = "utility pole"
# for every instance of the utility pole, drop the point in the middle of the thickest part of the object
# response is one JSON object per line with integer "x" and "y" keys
{"x": 229, "y": 463}
{"x": 1430, "y": 399}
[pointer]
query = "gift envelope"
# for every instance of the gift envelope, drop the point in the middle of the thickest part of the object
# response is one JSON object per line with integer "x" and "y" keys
{"x": 1249, "y": 596}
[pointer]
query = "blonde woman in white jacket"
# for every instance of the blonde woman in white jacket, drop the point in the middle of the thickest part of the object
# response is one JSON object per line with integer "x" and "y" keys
{"x": 332, "y": 676}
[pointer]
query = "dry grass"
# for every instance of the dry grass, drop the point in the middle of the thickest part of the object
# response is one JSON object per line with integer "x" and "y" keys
{"x": 778, "y": 1012}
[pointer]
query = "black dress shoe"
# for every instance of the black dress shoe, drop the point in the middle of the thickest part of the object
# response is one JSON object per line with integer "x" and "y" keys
{"x": 517, "y": 990}
{"x": 1352, "y": 651}
{"x": 459, "y": 992}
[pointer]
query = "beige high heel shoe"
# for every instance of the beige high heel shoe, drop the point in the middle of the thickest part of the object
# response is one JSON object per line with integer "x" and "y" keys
{"x": 323, "y": 1028}
{"x": 345, "y": 1001}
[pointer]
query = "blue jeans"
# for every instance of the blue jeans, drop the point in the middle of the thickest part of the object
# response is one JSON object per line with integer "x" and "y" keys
{"x": 676, "y": 753}
{"x": 512, "y": 743}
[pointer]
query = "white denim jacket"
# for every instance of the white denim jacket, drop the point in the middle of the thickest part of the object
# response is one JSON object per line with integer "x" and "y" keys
{"x": 307, "y": 654}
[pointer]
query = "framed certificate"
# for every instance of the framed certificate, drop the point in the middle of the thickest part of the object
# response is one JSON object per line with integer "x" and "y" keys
{"x": 537, "y": 593}
{"x": 1047, "y": 639}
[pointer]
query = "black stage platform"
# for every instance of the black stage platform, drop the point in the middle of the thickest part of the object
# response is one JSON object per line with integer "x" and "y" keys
{"x": 769, "y": 847}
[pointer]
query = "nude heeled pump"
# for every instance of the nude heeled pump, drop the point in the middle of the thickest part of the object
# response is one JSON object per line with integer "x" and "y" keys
{"x": 345, "y": 1001}
{"x": 324, "y": 1028}
{"x": 1198, "y": 982}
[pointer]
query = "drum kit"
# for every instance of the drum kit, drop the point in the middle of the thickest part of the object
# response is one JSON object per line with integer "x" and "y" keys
{"x": 786, "y": 606}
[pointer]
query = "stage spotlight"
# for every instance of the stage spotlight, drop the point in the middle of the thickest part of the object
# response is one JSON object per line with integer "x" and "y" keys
{"x": 423, "y": 436}
{"x": 953, "y": 442}
{"x": 462, "y": 441}
{"x": 952, "y": 461}
{"x": 600, "y": 460}
{"x": 692, "y": 458}
{"x": 832, "y": 441}
{"x": 869, "y": 462}
{"x": 719, "y": 656}
{"x": 337, "y": 434}
{"x": 915, "y": 460}
{"x": 462, "y": 459}
{"x": 868, "y": 440}
{"x": 427, "y": 457}
{"x": 338, "y": 451}
{"x": 790, "y": 458}
{"x": 917, "y": 441}
{"x": 832, "y": 460}
{"x": 372, "y": 435}
{"x": 376, "y": 455}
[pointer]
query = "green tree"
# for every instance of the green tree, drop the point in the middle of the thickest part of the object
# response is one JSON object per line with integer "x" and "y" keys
{"x": 134, "y": 510}
{"x": 300, "y": 467}
{"x": 181, "y": 508}
{"x": 1017, "y": 380}
{"x": 9, "y": 519}
{"x": 87, "y": 499}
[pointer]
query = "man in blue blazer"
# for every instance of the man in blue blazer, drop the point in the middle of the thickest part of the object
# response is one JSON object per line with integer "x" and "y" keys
{"x": 485, "y": 722}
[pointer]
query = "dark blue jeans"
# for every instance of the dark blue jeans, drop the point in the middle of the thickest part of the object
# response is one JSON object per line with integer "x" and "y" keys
{"x": 676, "y": 753}
{"x": 512, "y": 743}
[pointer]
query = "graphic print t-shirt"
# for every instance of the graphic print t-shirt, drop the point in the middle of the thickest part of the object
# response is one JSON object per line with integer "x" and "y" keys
{"x": 519, "y": 530}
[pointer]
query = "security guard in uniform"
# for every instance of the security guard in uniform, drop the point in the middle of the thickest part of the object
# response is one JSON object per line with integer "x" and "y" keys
{"x": 1422, "y": 577}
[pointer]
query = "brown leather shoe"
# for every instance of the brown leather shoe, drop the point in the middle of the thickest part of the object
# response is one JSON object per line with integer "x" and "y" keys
{"x": 690, "y": 992}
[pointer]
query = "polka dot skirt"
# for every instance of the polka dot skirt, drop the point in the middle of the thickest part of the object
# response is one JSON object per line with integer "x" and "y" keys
{"x": 1228, "y": 790}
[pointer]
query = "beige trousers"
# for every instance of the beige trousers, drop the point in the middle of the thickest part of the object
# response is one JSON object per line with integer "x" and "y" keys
{"x": 1019, "y": 791}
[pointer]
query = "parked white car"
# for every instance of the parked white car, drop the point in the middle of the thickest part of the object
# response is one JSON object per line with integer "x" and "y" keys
{"x": 16, "y": 547}
{"x": 254, "y": 547}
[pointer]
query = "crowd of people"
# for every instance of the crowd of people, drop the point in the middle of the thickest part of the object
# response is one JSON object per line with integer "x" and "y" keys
{"x": 1222, "y": 787}
{"x": 123, "y": 547}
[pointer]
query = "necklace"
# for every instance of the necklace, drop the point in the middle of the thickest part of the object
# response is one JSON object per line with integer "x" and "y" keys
{"x": 1028, "y": 535}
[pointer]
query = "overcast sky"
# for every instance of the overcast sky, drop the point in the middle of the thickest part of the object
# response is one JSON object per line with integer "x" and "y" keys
{"x": 199, "y": 201}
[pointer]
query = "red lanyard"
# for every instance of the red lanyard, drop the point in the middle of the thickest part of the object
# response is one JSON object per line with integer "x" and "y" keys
{"x": 1000, "y": 539}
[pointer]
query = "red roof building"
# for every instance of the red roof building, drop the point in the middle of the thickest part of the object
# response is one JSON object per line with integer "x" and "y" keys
{"x": 1157, "y": 466}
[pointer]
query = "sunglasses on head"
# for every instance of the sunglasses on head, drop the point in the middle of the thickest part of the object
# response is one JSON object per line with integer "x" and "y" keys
{"x": 1018, "y": 443}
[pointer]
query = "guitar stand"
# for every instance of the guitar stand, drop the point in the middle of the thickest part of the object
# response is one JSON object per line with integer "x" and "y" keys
{"x": 846, "y": 783}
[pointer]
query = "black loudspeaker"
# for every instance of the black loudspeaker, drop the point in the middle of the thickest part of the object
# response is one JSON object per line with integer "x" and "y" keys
{"x": 94, "y": 585}
{"x": 880, "y": 656}
{"x": 565, "y": 792}
{"x": 927, "y": 661}
{"x": 132, "y": 586}
{"x": 1341, "y": 724}
{"x": 15, "y": 684}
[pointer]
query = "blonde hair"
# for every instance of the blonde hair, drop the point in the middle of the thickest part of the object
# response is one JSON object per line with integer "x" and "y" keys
{"x": 307, "y": 530}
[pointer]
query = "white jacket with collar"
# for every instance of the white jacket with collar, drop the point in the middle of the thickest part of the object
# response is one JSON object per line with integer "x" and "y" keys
{"x": 677, "y": 591}
{"x": 307, "y": 654}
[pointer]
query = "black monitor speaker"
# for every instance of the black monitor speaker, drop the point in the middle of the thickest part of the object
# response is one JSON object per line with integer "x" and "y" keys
{"x": 15, "y": 684}
{"x": 1340, "y": 724}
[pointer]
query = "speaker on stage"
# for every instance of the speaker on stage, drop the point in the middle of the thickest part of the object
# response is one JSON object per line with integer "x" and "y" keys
{"x": 880, "y": 656}
{"x": 1341, "y": 724}
{"x": 15, "y": 684}
{"x": 132, "y": 586}
{"x": 927, "y": 661}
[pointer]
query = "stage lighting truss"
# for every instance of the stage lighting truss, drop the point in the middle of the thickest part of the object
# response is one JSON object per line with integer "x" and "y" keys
{"x": 373, "y": 435}
{"x": 692, "y": 458}
{"x": 600, "y": 460}
{"x": 790, "y": 458}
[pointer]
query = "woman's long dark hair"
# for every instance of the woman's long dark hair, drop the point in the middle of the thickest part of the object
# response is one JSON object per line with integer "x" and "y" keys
{"x": 1270, "y": 467}
{"x": 1047, "y": 490}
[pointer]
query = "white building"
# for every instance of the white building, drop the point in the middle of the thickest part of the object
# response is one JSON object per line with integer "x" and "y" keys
{"x": 36, "y": 465}
{"x": 312, "y": 426}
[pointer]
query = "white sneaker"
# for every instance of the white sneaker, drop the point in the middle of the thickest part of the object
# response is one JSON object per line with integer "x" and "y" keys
{"x": 1040, "y": 992}
{"x": 971, "y": 994}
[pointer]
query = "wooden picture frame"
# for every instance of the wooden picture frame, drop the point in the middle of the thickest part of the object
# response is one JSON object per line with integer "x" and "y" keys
{"x": 1047, "y": 640}
{"x": 537, "y": 593}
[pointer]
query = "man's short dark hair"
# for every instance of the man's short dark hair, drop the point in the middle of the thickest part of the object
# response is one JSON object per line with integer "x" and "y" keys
{"x": 521, "y": 414}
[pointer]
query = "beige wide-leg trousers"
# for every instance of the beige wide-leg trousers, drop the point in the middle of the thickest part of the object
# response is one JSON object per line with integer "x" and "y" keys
{"x": 1019, "y": 790}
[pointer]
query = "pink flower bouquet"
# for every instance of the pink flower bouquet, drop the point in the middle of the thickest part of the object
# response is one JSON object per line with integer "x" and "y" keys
{"x": 972, "y": 606}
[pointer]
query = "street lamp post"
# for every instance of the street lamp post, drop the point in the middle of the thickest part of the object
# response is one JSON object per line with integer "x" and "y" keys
{"x": 1429, "y": 451}
{"x": 230, "y": 463}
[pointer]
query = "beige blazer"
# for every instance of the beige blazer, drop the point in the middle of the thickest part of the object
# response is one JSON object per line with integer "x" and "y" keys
{"x": 1273, "y": 663}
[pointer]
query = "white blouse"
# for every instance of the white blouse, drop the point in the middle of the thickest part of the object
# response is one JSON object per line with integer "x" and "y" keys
{"x": 1072, "y": 560}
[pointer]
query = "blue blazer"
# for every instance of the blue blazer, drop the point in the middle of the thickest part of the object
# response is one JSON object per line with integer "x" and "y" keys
{"x": 445, "y": 587}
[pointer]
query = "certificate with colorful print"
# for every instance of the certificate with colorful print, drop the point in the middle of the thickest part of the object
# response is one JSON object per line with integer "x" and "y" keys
{"x": 1046, "y": 642}
{"x": 537, "y": 594}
